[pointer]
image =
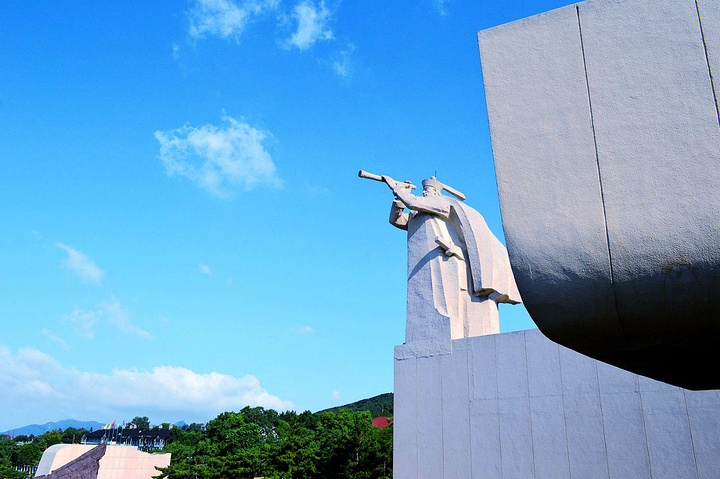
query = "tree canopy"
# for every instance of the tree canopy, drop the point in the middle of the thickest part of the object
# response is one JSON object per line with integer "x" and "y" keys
{"x": 141, "y": 422}
{"x": 380, "y": 405}
{"x": 256, "y": 442}
{"x": 13, "y": 455}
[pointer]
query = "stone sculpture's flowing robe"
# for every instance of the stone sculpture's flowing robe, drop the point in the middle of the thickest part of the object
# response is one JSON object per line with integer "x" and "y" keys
{"x": 463, "y": 290}
{"x": 488, "y": 258}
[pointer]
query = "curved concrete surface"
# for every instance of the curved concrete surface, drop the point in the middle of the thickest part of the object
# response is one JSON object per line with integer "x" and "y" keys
{"x": 110, "y": 462}
{"x": 606, "y": 139}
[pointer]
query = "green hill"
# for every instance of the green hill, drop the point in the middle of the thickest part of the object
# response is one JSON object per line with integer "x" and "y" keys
{"x": 381, "y": 405}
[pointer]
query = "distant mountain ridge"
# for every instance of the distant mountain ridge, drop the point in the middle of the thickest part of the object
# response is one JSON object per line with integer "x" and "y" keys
{"x": 38, "y": 429}
{"x": 380, "y": 405}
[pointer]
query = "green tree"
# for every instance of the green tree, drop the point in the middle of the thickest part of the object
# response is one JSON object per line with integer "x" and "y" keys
{"x": 229, "y": 448}
{"x": 7, "y": 472}
{"x": 189, "y": 460}
{"x": 48, "y": 439}
{"x": 381, "y": 405}
{"x": 230, "y": 431}
{"x": 186, "y": 438}
{"x": 8, "y": 448}
{"x": 239, "y": 443}
{"x": 262, "y": 443}
{"x": 72, "y": 435}
{"x": 375, "y": 454}
{"x": 194, "y": 427}
{"x": 265, "y": 419}
{"x": 27, "y": 455}
{"x": 299, "y": 451}
{"x": 340, "y": 436}
{"x": 142, "y": 423}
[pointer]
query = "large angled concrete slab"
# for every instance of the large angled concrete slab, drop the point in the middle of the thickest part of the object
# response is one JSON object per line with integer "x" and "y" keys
{"x": 606, "y": 140}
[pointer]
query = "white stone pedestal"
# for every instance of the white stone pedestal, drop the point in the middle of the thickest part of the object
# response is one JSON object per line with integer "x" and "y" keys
{"x": 517, "y": 405}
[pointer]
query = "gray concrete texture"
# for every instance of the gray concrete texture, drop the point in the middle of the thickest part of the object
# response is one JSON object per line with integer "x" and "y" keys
{"x": 606, "y": 140}
{"x": 517, "y": 405}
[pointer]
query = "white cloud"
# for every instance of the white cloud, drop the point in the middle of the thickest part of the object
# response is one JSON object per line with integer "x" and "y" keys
{"x": 341, "y": 67}
{"x": 336, "y": 394}
{"x": 48, "y": 334}
{"x": 219, "y": 159}
{"x": 205, "y": 269}
{"x": 304, "y": 330}
{"x": 119, "y": 316}
{"x": 176, "y": 51}
{"x": 224, "y": 18}
{"x": 440, "y": 6}
{"x": 111, "y": 312}
{"x": 342, "y": 64}
{"x": 83, "y": 322}
{"x": 81, "y": 265}
{"x": 312, "y": 23}
{"x": 34, "y": 387}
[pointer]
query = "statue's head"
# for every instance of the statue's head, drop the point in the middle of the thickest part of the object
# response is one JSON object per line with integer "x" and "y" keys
{"x": 432, "y": 187}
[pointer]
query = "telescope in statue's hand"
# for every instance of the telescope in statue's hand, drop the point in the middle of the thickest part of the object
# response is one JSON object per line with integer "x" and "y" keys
{"x": 385, "y": 179}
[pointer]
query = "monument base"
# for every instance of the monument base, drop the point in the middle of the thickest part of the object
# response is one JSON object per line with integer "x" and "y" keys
{"x": 517, "y": 405}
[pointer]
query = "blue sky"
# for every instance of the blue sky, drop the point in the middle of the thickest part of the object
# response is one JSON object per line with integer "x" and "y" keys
{"x": 184, "y": 231}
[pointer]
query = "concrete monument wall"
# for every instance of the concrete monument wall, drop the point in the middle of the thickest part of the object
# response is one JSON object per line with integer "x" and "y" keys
{"x": 80, "y": 461}
{"x": 606, "y": 138}
{"x": 517, "y": 405}
{"x": 71, "y": 461}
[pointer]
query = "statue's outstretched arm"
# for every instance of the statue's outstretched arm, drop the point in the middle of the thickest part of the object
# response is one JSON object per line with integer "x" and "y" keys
{"x": 398, "y": 217}
{"x": 436, "y": 205}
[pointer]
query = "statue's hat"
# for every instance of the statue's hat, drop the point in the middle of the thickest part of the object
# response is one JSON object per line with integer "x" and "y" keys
{"x": 432, "y": 181}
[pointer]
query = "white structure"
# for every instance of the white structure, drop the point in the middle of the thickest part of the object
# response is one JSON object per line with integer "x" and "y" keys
{"x": 606, "y": 139}
{"x": 516, "y": 405}
{"x": 119, "y": 462}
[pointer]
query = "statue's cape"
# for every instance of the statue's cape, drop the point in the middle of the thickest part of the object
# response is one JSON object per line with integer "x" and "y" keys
{"x": 488, "y": 258}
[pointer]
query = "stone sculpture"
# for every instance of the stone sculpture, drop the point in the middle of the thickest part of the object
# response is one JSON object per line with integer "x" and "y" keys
{"x": 458, "y": 271}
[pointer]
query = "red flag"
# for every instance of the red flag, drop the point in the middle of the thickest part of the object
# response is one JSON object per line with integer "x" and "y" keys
{"x": 113, "y": 426}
